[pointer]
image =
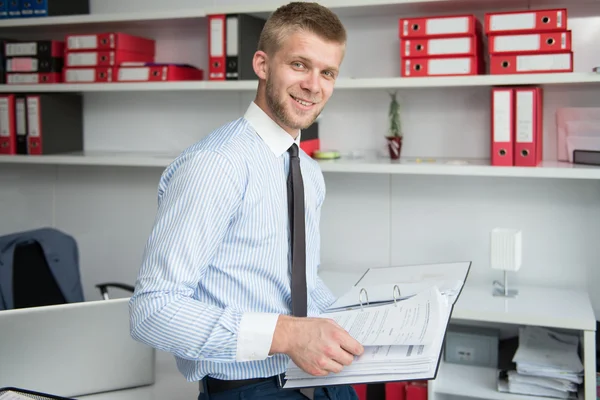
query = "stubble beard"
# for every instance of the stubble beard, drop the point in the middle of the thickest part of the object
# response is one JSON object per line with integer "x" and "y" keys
{"x": 278, "y": 108}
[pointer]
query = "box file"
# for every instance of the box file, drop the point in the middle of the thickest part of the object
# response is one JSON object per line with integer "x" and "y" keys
{"x": 54, "y": 123}
{"x": 242, "y": 33}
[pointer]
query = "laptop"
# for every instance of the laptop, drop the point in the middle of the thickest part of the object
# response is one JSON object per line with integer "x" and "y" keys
{"x": 73, "y": 349}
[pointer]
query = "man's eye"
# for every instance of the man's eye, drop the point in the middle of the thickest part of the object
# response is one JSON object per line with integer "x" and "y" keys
{"x": 298, "y": 65}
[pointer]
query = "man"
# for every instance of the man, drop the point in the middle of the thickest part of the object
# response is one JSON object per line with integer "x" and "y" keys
{"x": 229, "y": 242}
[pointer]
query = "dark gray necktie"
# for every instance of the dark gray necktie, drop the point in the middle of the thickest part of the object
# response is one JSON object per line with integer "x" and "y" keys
{"x": 295, "y": 189}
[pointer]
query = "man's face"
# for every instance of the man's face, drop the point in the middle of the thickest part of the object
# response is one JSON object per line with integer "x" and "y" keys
{"x": 300, "y": 79}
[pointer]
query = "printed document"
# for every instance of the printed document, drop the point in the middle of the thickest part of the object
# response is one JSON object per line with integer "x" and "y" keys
{"x": 402, "y": 331}
{"x": 416, "y": 320}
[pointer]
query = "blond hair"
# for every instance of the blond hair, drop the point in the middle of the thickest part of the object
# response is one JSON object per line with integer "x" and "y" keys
{"x": 300, "y": 16}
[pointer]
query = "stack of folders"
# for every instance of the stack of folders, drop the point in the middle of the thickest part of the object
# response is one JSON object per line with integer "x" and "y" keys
{"x": 522, "y": 42}
{"x": 401, "y": 324}
{"x": 446, "y": 45}
{"x": 547, "y": 364}
{"x": 517, "y": 126}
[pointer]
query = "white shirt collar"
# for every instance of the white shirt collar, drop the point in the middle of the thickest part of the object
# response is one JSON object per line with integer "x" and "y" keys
{"x": 278, "y": 140}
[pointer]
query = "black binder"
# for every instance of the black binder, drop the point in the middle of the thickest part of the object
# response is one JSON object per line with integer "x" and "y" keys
{"x": 241, "y": 41}
{"x": 32, "y": 395}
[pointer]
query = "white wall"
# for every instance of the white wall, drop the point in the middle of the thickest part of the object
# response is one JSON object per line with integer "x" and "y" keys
{"x": 368, "y": 220}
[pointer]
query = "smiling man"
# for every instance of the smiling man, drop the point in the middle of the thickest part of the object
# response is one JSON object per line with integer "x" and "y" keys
{"x": 229, "y": 281}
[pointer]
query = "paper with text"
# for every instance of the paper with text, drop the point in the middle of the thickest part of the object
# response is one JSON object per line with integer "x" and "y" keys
{"x": 416, "y": 320}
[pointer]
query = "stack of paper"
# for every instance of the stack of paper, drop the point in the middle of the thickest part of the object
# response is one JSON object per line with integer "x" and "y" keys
{"x": 548, "y": 364}
{"x": 402, "y": 333}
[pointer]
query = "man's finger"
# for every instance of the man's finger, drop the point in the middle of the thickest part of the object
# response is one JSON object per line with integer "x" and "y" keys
{"x": 343, "y": 357}
{"x": 351, "y": 345}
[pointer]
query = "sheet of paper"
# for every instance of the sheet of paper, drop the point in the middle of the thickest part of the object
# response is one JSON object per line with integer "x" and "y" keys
{"x": 414, "y": 321}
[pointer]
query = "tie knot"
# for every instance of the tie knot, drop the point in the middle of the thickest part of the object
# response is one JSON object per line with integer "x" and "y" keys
{"x": 293, "y": 150}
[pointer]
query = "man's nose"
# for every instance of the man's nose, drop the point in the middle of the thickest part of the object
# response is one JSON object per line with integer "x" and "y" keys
{"x": 312, "y": 82}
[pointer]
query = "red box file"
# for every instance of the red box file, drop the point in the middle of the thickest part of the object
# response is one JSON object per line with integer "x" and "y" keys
{"x": 88, "y": 75}
{"x": 416, "y": 390}
{"x": 442, "y": 66}
{"x": 531, "y": 63}
{"x": 216, "y": 47}
{"x": 159, "y": 72}
{"x": 395, "y": 390}
{"x": 502, "y": 127}
{"x": 526, "y": 21}
{"x": 361, "y": 391}
{"x": 8, "y": 134}
{"x": 110, "y": 58}
{"x": 441, "y": 47}
{"x": 29, "y": 78}
{"x": 528, "y": 126}
{"x": 450, "y": 25}
{"x": 110, "y": 41}
{"x": 528, "y": 43}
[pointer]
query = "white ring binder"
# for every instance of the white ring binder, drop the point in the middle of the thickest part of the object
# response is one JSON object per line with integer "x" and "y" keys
{"x": 363, "y": 290}
{"x": 394, "y": 294}
{"x": 360, "y": 297}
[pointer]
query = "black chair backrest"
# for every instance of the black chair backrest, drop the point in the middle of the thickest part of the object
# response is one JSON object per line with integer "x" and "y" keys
{"x": 33, "y": 282}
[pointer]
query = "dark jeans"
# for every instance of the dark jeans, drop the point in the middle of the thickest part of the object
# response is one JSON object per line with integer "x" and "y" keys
{"x": 269, "y": 390}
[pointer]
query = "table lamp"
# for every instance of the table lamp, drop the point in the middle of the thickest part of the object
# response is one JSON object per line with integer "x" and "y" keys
{"x": 505, "y": 254}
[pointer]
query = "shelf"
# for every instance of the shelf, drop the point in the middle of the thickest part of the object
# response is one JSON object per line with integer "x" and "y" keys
{"x": 548, "y": 307}
{"x": 473, "y": 382}
{"x": 150, "y": 18}
{"x": 130, "y": 87}
{"x": 547, "y": 169}
{"x": 342, "y": 84}
{"x": 115, "y": 159}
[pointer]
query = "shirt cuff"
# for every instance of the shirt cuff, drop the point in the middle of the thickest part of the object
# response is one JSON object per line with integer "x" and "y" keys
{"x": 255, "y": 336}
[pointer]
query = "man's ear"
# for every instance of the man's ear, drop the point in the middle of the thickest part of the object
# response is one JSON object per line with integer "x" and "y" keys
{"x": 260, "y": 64}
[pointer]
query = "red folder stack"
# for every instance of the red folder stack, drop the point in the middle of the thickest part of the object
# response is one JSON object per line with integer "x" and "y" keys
{"x": 517, "y": 126}
{"x": 441, "y": 46}
{"x": 97, "y": 57}
{"x": 533, "y": 41}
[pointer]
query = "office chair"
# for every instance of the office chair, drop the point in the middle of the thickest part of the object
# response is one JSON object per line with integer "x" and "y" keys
{"x": 45, "y": 274}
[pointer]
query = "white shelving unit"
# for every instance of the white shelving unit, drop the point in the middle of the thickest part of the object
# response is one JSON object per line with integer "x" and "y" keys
{"x": 575, "y": 78}
{"x": 413, "y": 166}
{"x": 541, "y": 306}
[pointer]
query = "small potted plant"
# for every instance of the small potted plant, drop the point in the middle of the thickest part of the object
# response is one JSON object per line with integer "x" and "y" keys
{"x": 394, "y": 135}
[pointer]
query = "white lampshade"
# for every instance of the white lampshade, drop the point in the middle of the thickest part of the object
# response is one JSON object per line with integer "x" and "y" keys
{"x": 505, "y": 249}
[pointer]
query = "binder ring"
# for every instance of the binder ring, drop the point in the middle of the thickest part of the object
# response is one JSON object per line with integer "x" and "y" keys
{"x": 399, "y": 295}
{"x": 360, "y": 297}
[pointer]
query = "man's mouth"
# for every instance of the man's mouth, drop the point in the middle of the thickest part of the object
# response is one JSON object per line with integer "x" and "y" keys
{"x": 303, "y": 102}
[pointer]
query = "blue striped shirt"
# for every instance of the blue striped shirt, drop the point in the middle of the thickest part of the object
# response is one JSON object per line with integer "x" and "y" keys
{"x": 216, "y": 268}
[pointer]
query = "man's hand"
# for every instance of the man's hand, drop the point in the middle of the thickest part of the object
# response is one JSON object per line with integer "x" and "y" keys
{"x": 317, "y": 345}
